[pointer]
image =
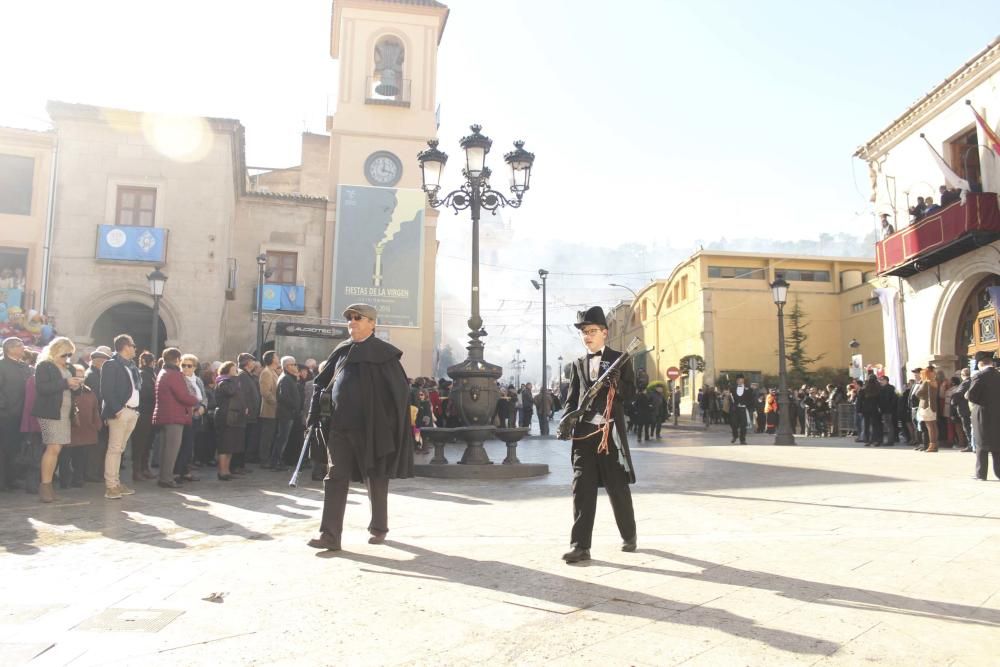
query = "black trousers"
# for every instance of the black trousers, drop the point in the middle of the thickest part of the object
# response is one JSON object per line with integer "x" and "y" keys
{"x": 981, "y": 456}
{"x": 738, "y": 423}
{"x": 10, "y": 445}
{"x": 341, "y": 450}
{"x": 591, "y": 469}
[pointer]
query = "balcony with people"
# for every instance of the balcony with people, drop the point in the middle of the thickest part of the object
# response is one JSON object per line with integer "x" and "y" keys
{"x": 938, "y": 232}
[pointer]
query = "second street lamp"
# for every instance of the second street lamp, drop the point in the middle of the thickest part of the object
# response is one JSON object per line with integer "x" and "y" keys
{"x": 543, "y": 419}
{"x": 784, "y": 436}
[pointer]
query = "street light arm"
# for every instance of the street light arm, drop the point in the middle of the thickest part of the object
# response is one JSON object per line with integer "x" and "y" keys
{"x": 635, "y": 294}
{"x": 474, "y": 189}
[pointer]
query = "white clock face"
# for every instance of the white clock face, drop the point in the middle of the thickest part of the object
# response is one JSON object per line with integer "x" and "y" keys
{"x": 383, "y": 169}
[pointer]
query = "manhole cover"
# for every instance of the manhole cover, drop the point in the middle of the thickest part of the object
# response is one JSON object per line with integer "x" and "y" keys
{"x": 130, "y": 620}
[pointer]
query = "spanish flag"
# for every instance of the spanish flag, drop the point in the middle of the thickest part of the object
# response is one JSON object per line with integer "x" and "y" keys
{"x": 991, "y": 137}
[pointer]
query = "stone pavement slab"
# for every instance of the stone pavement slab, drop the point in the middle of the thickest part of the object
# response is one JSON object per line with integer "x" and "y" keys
{"x": 826, "y": 553}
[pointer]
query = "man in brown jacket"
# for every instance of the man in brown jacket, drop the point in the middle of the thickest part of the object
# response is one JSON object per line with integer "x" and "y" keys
{"x": 268, "y": 406}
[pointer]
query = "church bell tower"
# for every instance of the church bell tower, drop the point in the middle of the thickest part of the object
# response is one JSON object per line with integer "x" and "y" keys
{"x": 380, "y": 236}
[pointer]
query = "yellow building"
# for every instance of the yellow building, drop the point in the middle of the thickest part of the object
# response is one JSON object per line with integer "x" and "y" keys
{"x": 718, "y": 306}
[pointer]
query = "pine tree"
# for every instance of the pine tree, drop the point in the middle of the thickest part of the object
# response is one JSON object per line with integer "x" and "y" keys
{"x": 795, "y": 345}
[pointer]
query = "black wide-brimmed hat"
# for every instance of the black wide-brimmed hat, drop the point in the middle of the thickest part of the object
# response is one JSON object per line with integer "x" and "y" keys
{"x": 593, "y": 315}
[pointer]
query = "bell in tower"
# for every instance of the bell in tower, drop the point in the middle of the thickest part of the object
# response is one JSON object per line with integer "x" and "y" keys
{"x": 389, "y": 54}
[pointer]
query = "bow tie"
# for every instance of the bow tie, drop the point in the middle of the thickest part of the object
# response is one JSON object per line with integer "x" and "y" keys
{"x": 591, "y": 355}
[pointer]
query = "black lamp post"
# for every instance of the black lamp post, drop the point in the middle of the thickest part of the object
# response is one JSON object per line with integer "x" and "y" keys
{"x": 854, "y": 345}
{"x": 475, "y": 393}
{"x": 543, "y": 420}
{"x": 262, "y": 274}
{"x": 562, "y": 373}
{"x": 784, "y": 436}
{"x": 157, "y": 281}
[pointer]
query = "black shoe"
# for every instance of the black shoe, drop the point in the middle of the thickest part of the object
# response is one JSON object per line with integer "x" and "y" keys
{"x": 978, "y": 478}
{"x": 325, "y": 541}
{"x": 743, "y": 442}
{"x": 732, "y": 441}
{"x": 376, "y": 538}
{"x": 576, "y": 555}
{"x": 224, "y": 478}
{"x": 629, "y": 545}
{"x": 168, "y": 485}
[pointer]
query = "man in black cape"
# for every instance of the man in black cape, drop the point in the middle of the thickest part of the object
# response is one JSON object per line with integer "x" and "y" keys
{"x": 591, "y": 468}
{"x": 370, "y": 436}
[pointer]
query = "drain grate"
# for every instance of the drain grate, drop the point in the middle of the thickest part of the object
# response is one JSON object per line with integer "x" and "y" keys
{"x": 130, "y": 620}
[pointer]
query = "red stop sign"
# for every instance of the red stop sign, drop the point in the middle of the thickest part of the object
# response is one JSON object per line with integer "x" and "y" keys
{"x": 673, "y": 373}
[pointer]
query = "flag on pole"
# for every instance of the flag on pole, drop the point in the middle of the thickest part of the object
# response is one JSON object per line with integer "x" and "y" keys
{"x": 950, "y": 177}
{"x": 991, "y": 137}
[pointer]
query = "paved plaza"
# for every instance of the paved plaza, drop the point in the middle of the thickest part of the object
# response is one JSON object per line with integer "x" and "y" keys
{"x": 827, "y": 553}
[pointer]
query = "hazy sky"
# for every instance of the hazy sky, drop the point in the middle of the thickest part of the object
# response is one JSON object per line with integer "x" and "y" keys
{"x": 673, "y": 120}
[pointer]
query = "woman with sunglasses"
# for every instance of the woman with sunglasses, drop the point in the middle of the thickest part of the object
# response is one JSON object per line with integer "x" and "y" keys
{"x": 185, "y": 458}
{"x": 53, "y": 406}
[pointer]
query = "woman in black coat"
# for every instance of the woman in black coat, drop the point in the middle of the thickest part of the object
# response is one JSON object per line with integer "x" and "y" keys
{"x": 230, "y": 418}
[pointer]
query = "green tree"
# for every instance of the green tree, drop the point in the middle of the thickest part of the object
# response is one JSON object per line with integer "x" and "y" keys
{"x": 795, "y": 347}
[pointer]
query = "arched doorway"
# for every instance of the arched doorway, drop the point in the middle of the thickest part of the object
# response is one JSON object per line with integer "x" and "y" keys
{"x": 134, "y": 319}
{"x": 977, "y": 324}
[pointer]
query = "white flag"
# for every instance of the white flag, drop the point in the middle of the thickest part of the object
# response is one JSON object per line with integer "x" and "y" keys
{"x": 950, "y": 177}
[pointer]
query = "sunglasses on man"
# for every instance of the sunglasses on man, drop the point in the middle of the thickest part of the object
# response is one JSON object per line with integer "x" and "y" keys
{"x": 355, "y": 318}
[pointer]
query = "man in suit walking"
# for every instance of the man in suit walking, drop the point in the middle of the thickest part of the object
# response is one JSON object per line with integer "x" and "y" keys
{"x": 984, "y": 399}
{"x": 600, "y": 453}
{"x": 744, "y": 405}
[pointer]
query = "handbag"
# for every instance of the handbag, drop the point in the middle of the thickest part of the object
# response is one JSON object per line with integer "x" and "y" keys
{"x": 927, "y": 414}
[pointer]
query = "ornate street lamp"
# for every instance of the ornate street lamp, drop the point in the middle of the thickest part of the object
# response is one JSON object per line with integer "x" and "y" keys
{"x": 784, "y": 436}
{"x": 475, "y": 392}
{"x": 157, "y": 281}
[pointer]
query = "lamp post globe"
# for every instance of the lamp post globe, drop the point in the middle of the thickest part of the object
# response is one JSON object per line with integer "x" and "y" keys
{"x": 784, "y": 434}
{"x": 476, "y": 147}
{"x": 432, "y": 162}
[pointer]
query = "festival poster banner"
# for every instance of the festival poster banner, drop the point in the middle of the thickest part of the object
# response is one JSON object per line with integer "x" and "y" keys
{"x": 379, "y": 252}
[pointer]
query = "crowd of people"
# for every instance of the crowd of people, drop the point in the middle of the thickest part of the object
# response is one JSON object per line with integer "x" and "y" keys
{"x": 932, "y": 411}
{"x": 64, "y": 424}
{"x": 67, "y": 424}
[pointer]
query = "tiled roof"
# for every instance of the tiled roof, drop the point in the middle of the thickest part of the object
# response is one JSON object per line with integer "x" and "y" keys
{"x": 290, "y": 196}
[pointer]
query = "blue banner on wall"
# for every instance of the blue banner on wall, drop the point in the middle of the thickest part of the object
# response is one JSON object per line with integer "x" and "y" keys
{"x": 132, "y": 244}
{"x": 284, "y": 297}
